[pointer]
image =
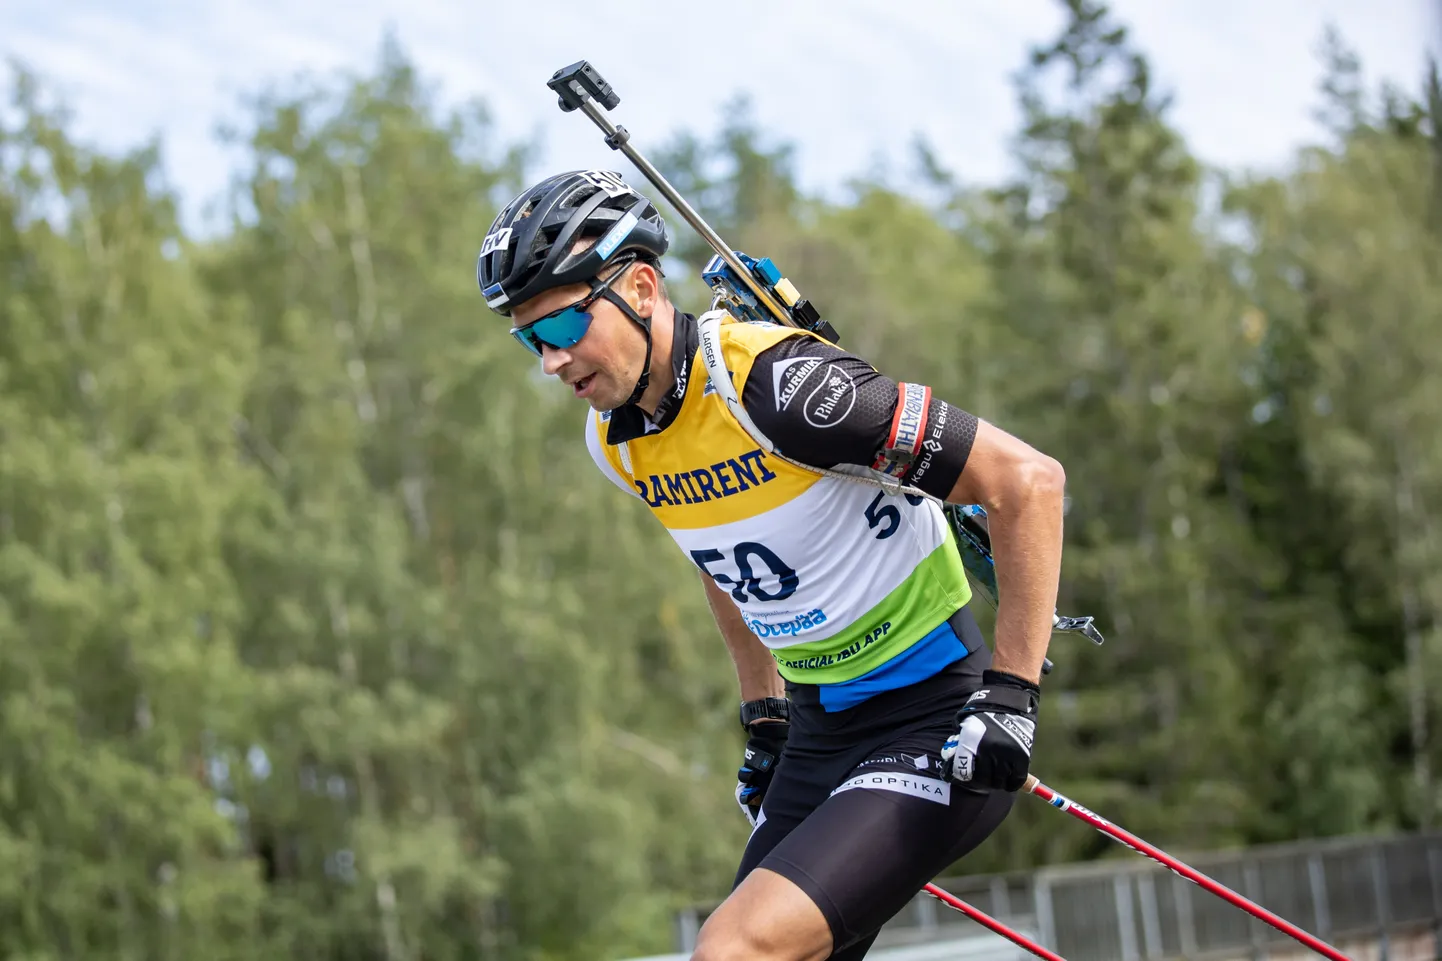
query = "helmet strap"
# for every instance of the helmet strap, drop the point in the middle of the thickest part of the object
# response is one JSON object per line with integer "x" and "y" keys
{"x": 645, "y": 324}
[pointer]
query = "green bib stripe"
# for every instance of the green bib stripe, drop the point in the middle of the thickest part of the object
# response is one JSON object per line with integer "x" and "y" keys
{"x": 929, "y": 596}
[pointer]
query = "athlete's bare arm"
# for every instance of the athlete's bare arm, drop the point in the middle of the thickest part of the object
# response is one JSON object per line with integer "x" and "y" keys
{"x": 1021, "y": 489}
{"x": 755, "y": 667}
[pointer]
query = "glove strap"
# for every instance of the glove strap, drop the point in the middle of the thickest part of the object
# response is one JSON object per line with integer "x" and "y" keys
{"x": 758, "y": 762}
{"x": 1003, "y": 692}
{"x": 770, "y": 708}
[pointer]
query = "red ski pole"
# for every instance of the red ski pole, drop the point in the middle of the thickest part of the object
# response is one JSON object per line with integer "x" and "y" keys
{"x": 987, "y": 921}
{"x": 1066, "y": 804}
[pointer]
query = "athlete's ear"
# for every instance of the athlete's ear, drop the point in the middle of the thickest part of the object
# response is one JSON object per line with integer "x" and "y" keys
{"x": 646, "y": 283}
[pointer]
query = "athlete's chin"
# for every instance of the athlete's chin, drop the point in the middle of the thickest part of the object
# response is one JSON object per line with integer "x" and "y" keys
{"x": 602, "y": 396}
{"x": 602, "y": 402}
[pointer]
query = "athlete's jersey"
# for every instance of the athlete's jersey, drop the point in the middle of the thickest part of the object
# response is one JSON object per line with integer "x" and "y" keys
{"x": 849, "y": 586}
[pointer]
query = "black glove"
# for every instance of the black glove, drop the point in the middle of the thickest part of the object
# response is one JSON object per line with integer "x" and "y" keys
{"x": 992, "y": 748}
{"x": 763, "y": 753}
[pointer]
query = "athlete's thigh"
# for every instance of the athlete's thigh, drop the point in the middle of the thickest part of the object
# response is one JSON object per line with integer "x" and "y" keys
{"x": 890, "y": 827}
{"x": 767, "y": 918}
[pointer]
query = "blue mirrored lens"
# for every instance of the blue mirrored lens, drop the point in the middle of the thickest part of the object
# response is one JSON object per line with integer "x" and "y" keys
{"x": 560, "y": 330}
{"x": 523, "y": 337}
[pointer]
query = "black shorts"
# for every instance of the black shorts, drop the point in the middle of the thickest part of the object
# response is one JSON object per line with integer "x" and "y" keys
{"x": 857, "y": 815}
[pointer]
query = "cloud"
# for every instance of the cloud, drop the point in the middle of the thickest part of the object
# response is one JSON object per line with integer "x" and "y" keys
{"x": 847, "y": 81}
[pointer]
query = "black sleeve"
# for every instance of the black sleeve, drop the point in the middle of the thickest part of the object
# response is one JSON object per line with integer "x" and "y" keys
{"x": 822, "y": 406}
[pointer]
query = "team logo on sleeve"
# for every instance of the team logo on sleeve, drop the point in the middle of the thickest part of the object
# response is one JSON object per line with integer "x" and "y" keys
{"x": 788, "y": 376}
{"x": 831, "y": 401}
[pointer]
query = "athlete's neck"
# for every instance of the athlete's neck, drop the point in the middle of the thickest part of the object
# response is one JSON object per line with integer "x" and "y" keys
{"x": 663, "y": 376}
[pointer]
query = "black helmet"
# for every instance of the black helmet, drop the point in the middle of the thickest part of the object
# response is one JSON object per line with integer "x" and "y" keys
{"x": 528, "y": 249}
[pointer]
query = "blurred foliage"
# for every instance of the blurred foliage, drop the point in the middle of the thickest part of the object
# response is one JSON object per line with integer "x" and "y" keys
{"x": 320, "y": 635}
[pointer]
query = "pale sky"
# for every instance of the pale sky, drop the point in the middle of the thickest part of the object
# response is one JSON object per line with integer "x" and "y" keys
{"x": 849, "y": 82}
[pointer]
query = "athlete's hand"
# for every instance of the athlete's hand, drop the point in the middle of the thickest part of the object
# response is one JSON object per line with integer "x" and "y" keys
{"x": 763, "y": 753}
{"x": 992, "y": 749}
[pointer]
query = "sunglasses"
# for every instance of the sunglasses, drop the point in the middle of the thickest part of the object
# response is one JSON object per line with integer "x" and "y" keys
{"x": 564, "y": 328}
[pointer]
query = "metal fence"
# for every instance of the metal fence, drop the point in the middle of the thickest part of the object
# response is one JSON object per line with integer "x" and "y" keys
{"x": 1379, "y": 897}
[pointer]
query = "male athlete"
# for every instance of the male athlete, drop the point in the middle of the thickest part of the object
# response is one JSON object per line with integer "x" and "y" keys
{"x": 886, "y": 740}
